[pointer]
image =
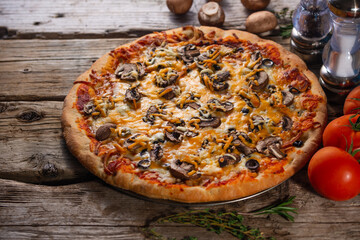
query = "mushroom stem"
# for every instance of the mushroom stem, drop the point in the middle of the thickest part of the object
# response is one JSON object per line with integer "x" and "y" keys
{"x": 211, "y": 14}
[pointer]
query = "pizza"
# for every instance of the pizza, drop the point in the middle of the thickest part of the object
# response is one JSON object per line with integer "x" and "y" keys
{"x": 195, "y": 115}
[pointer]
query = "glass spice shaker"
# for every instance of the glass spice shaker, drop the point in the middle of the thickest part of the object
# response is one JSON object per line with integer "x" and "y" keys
{"x": 311, "y": 30}
{"x": 341, "y": 70}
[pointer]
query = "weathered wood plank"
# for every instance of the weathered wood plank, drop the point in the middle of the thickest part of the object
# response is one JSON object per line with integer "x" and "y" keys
{"x": 35, "y": 69}
{"x": 38, "y": 209}
{"x": 318, "y": 231}
{"x": 70, "y": 232}
{"x": 46, "y": 69}
{"x": 31, "y": 144}
{"x": 108, "y": 18}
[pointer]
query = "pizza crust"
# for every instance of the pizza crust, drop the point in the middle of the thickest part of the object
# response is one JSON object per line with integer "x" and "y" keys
{"x": 79, "y": 144}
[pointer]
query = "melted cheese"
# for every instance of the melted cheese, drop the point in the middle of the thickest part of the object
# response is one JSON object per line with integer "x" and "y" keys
{"x": 204, "y": 159}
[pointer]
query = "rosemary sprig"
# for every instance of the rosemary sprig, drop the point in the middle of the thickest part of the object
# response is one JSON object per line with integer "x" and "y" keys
{"x": 217, "y": 222}
{"x": 285, "y": 22}
{"x": 281, "y": 209}
{"x": 221, "y": 221}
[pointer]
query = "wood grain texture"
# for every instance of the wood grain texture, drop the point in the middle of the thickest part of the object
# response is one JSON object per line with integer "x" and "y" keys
{"x": 51, "y": 210}
{"x": 31, "y": 144}
{"x": 108, "y": 18}
{"x": 46, "y": 69}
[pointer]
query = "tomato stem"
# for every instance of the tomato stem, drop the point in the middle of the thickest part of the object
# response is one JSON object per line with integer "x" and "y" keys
{"x": 355, "y": 126}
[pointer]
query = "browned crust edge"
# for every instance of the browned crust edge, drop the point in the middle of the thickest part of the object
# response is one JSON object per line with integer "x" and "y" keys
{"x": 78, "y": 143}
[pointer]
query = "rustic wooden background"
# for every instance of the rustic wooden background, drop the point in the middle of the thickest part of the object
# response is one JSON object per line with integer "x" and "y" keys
{"x": 45, "y": 193}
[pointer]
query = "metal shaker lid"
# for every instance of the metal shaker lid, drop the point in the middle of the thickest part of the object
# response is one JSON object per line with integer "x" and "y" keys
{"x": 345, "y": 8}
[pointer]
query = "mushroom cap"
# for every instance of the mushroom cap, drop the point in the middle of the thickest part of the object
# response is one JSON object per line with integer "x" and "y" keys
{"x": 213, "y": 122}
{"x": 132, "y": 94}
{"x": 288, "y": 98}
{"x": 229, "y": 159}
{"x": 130, "y": 71}
{"x": 188, "y": 53}
{"x": 286, "y": 123}
{"x": 215, "y": 104}
{"x": 179, "y": 169}
{"x": 179, "y": 6}
{"x": 156, "y": 153}
{"x": 104, "y": 131}
{"x": 262, "y": 80}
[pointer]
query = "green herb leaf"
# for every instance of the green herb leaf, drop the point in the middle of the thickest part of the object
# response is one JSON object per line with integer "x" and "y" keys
{"x": 217, "y": 222}
{"x": 285, "y": 22}
{"x": 221, "y": 221}
{"x": 280, "y": 209}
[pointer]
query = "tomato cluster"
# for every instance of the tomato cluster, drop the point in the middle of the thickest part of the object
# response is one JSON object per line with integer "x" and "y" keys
{"x": 334, "y": 171}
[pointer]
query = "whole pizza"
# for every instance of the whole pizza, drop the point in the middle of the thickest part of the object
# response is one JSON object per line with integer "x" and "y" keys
{"x": 195, "y": 115}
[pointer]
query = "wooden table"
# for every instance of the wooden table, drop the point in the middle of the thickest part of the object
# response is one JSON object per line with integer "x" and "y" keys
{"x": 45, "y": 193}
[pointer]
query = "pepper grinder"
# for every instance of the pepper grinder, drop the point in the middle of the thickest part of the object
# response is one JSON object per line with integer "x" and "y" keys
{"x": 311, "y": 31}
{"x": 341, "y": 56}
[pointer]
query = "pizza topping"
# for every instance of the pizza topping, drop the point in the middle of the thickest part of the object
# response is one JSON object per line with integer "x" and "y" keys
{"x": 214, "y": 82}
{"x": 136, "y": 141}
{"x": 219, "y": 86}
{"x": 271, "y": 145}
{"x": 150, "y": 114}
{"x": 245, "y": 110}
{"x": 256, "y": 123}
{"x": 208, "y": 59}
{"x": 228, "y": 159}
{"x": 153, "y": 111}
{"x": 183, "y": 170}
{"x": 240, "y": 146}
{"x": 89, "y": 108}
{"x": 251, "y": 99}
{"x": 104, "y": 131}
{"x": 193, "y": 105}
{"x": 288, "y": 98}
{"x": 156, "y": 153}
{"x": 286, "y": 123}
{"x": 188, "y": 53}
{"x": 294, "y": 91}
{"x": 259, "y": 80}
{"x": 170, "y": 92}
{"x": 132, "y": 96}
{"x": 173, "y": 134}
{"x": 166, "y": 77}
{"x": 144, "y": 164}
{"x": 191, "y": 134}
{"x": 252, "y": 165}
{"x": 222, "y": 76}
{"x": 130, "y": 71}
{"x": 256, "y": 56}
{"x": 125, "y": 132}
{"x": 267, "y": 62}
{"x": 188, "y": 100}
{"x": 215, "y": 104}
{"x": 298, "y": 143}
{"x": 213, "y": 122}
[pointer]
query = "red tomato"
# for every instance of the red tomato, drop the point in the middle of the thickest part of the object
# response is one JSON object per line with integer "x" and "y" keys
{"x": 335, "y": 174}
{"x": 352, "y": 102}
{"x": 343, "y": 132}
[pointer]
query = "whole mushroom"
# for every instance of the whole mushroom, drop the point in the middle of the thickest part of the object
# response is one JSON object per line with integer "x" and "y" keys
{"x": 255, "y": 5}
{"x": 259, "y": 22}
{"x": 211, "y": 14}
{"x": 179, "y": 6}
